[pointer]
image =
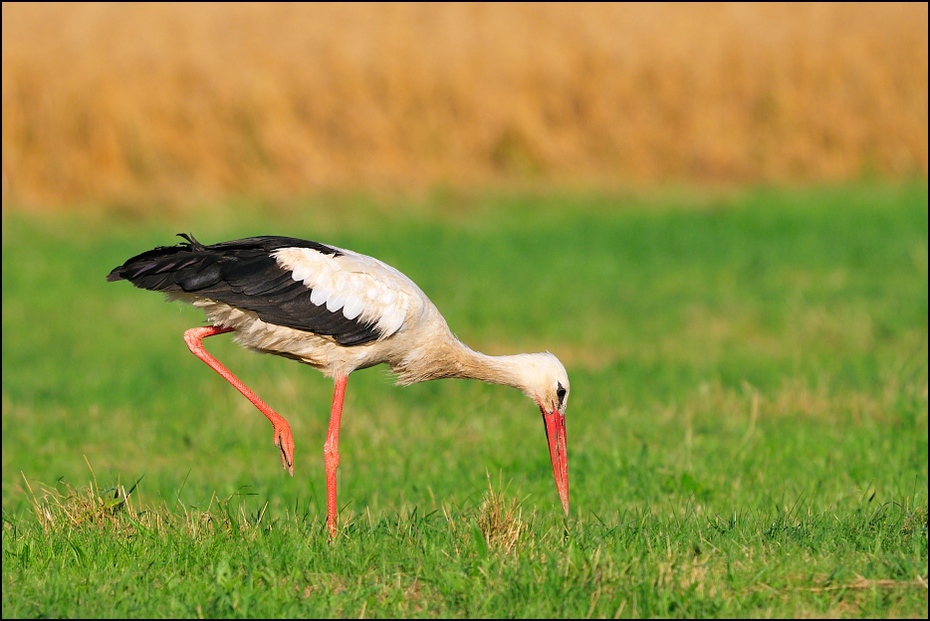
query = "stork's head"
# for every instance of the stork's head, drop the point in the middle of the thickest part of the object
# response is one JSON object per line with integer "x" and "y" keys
{"x": 545, "y": 381}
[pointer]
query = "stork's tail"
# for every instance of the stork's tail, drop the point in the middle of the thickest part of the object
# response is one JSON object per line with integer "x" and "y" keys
{"x": 158, "y": 269}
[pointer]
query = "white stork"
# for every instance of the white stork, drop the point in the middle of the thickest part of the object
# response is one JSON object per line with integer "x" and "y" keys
{"x": 338, "y": 311}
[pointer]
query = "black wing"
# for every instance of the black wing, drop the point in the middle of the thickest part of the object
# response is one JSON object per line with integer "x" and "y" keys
{"x": 243, "y": 274}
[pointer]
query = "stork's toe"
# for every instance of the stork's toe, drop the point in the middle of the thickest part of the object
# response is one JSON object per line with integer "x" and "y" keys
{"x": 284, "y": 440}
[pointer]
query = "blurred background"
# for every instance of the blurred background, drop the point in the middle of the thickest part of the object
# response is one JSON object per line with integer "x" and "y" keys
{"x": 132, "y": 105}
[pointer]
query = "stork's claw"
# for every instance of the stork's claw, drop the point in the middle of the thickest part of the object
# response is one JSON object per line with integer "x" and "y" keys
{"x": 284, "y": 440}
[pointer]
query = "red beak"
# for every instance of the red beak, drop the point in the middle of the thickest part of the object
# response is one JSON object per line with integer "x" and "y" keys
{"x": 555, "y": 433}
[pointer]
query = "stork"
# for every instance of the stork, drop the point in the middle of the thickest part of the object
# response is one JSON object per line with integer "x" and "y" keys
{"x": 337, "y": 311}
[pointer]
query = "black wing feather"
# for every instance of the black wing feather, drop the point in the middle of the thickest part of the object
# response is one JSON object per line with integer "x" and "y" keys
{"x": 243, "y": 274}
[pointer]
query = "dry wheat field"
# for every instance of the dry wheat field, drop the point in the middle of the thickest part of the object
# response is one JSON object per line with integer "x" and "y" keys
{"x": 170, "y": 103}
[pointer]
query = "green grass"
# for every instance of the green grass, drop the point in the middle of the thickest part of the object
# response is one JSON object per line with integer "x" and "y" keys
{"x": 747, "y": 425}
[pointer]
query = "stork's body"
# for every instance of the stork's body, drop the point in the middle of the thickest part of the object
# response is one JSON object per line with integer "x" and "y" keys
{"x": 338, "y": 311}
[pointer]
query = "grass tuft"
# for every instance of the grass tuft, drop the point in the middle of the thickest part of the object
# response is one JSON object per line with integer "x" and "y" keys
{"x": 500, "y": 519}
{"x": 65, "y": 505}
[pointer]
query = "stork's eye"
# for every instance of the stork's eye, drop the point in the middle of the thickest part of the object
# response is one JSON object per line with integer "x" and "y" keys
{"x": 560, "y": 392}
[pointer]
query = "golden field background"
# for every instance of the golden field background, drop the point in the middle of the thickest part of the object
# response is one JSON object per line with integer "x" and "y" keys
{"x": 166, "y": 103}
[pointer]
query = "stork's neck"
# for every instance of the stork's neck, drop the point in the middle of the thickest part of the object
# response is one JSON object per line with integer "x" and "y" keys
{"x": 450, "y": 358}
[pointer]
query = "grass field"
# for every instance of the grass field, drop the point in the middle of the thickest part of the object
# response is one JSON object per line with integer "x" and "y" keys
{"x": 747, "y": 428}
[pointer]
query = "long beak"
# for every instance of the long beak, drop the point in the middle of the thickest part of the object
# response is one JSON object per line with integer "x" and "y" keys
{"x": 555, "y": 433}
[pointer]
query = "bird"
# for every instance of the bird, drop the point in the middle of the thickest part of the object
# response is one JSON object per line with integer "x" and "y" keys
{"x": 338, "y": 311}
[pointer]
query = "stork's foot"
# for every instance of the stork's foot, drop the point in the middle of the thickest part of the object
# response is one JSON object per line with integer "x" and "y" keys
{"x": 284, "y": 440}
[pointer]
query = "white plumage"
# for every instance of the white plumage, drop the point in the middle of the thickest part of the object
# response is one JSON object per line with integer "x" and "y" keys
{"x": 358, "y": 285}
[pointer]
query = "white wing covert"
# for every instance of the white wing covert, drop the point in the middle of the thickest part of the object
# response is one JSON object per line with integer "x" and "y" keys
{"x": 364, "y": 288}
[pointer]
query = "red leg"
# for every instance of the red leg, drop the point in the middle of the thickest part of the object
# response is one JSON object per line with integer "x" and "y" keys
{"x": 331, "y": 452}
{"x": 282, "y": 430}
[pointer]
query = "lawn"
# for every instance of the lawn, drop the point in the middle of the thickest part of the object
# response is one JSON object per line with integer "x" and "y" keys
{"x": 747, "y": 426}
